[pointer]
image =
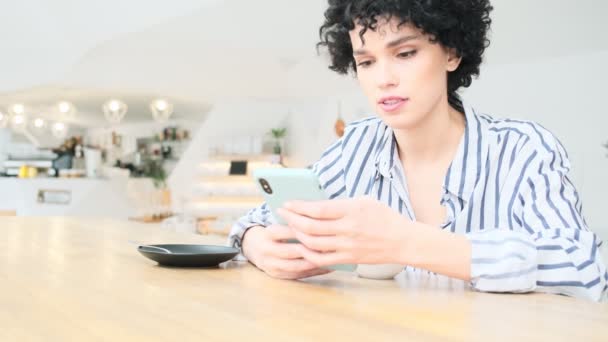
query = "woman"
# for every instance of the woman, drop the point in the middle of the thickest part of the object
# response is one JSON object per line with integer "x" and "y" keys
{"x": 430, "y": 183}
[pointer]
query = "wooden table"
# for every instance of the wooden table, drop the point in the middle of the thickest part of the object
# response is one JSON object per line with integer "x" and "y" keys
{"x": 8, "y": 213}
{"x": 83, "y": 280}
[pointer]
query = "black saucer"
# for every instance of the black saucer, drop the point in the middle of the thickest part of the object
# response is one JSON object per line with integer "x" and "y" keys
{"x": 188, "y": 255}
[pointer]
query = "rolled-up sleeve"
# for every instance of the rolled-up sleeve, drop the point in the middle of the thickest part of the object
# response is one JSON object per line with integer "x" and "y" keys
{"x": 546, "y": 245}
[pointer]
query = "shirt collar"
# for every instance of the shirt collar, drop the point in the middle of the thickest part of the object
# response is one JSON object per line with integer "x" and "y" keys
{"x": 387, "y": 154}
{"x": 464, "y": 171}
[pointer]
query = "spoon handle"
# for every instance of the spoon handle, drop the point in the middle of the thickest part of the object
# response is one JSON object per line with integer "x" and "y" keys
{"x": 163, "y": 249}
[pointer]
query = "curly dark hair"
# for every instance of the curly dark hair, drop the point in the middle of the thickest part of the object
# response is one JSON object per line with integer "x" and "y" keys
{"x": 461, "y": 25}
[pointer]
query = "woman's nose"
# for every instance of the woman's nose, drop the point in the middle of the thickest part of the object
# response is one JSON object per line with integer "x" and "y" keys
{"x": 387, "y": 76}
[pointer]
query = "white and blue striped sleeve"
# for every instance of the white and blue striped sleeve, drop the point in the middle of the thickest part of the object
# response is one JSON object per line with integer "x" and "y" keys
{"x": 546, "y": 246}
{"x": 259, "y": 216}
{"x": 330, "y": 172}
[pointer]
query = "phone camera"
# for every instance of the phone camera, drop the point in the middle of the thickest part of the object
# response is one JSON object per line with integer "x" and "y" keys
{"x": 266, "y": 186}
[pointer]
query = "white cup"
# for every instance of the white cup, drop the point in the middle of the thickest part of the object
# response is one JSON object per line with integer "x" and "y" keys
{"x": 381, "y": 271}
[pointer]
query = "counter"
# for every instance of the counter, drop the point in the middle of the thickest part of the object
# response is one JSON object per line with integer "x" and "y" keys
{"x": 80, "y": 197}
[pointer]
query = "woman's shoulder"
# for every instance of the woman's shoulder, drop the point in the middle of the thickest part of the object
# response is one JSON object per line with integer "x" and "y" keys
{"x": 524, "y": 137}
{"x": 365, "y": 122}
{"x": 530, "y": 132}
{"x": 368, "y": 129}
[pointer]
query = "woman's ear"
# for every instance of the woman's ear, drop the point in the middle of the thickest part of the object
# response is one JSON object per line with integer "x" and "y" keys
{"x": 453, "y": 61}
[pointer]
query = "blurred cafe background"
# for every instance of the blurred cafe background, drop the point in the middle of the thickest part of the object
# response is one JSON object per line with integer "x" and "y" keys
{"x": 158, "y": 111}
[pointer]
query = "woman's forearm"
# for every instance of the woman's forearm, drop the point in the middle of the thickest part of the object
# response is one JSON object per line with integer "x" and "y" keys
{"x": 435, "y": 250}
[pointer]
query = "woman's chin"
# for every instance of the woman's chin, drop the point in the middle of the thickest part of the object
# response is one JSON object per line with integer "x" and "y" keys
{"x": 402, "y": 120}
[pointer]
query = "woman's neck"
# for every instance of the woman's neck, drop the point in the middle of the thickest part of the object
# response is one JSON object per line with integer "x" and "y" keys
{"x": 435, "y": 138}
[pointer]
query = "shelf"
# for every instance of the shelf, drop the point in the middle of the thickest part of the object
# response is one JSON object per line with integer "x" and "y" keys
{"x": 150, "y": 219}
{"x": 174, "y": 142}
{"x": 203, "y": 211}
{"x": 248, "y": 157}
{"x": 32, "y": 163}
{"x": 253, "y": 200}
{"x": 228, "y": 190}
{"x": 226, "y": 197}
{"x": 226, "y": 179}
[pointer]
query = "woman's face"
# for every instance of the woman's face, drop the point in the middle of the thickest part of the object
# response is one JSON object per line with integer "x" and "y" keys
{"x": 402, "y": 73}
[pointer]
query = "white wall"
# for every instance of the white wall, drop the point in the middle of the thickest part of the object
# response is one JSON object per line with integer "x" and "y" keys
{"x": 46, "y": 37}
{"x": 311, "y": 127}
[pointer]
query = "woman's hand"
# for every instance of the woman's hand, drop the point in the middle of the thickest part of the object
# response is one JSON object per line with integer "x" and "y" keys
{"x": 266, "y": 248}
{"x": 355, "y": 231}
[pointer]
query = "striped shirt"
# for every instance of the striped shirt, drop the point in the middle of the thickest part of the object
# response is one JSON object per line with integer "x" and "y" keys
{"x": 507, "y": 190}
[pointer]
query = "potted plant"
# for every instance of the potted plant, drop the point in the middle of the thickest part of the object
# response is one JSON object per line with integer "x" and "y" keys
{"x": 278, "y": 134}
{"x": 154, "y": 169}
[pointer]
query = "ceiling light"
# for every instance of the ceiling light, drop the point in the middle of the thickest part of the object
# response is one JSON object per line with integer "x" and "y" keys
{"x": 59, "y": 130}
{"x": 18, "y": 122}
{"x": 39, "y": 123}
{"x": 17, "y": 109}
{"x": 66, "y": 109}
{"x": 161, "y": 110}
{"x": 114, "y": 111}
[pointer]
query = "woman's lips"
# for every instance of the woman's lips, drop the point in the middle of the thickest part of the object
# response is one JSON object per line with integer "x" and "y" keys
{"x": 392, "y": 104}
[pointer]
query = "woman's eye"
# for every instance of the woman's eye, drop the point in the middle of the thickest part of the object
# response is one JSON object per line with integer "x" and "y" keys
{"x": 364, "y": 64}
{"x": 407, "y": 54}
